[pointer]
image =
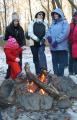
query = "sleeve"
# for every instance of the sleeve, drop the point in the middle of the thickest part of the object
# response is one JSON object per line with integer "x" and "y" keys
{"x": 23, "y": 37}
{"x": 64, "y": 33}
{"x": 6, "y": 34}
{"x": 30, "y": 31}
{"x": 9, "y": 55}
{"x": 48, "y": 33}
{"x": 20, "y": 50}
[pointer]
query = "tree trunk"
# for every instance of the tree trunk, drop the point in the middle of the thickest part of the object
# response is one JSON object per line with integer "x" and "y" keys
{"x": 13, "y": 5}
{"x": 53, "y": 4}
{"x": 5, "y": 12}
{"x": 48, "y": 13}
{"x": 30, "y": 9}
{"x": 58, "y": 4}
{"x": 73, "y": 5}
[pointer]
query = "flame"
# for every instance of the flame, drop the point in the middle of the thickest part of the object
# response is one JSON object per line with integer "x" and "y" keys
{"x": 32, "y": 87}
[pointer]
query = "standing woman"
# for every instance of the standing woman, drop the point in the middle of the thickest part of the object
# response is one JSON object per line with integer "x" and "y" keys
{"x": 57, "y": 36}
{"x": 73, "y": 46}
{"x": 16, "y": 31}
{"x": 36, "y": 31}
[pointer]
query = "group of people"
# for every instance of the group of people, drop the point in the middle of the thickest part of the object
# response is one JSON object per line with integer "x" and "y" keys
{"x": 61, "y": 36}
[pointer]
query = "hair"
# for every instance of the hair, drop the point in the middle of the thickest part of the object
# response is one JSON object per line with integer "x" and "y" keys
{"x": 42, "y": 13}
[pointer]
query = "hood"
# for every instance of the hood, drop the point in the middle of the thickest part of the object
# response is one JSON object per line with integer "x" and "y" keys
{"x": 58, "y": 11}
{"x": 40, "y": 12}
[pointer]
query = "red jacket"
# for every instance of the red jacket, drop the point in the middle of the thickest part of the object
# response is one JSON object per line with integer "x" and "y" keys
{"x": 11, "y": 55}
{"x": 73, "y": 39}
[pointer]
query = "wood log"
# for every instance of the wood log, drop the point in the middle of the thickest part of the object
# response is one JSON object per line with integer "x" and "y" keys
{"x": 51, "y": 90}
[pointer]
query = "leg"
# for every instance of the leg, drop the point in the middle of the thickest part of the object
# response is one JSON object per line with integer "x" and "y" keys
{"x": 63, "y": 60}
{"x": 55, "y": 62}
{"x": 42, "y": 57}
{"x": 71, "y": 61}
{"x": 15, "y": 70}
{"x": 20, "y": 63}
{"x": 8, "y": 72}
{"x": 75, "y": 66}
{"x": 34, "y": 50}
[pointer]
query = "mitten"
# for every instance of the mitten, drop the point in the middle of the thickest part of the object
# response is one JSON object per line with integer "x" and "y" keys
{"x": 54, "y": 45}
{"x": 49, "y": 39}
{"x": 17, "y": 60}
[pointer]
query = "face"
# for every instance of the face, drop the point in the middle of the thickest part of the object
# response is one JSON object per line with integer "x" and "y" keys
{"x": 56, "y": 16}
{"x": 40, "y": 16}
{"x": 16, "y": 22}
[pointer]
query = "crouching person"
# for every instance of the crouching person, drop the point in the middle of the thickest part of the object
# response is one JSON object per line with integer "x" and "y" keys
{"x": 12, "y": 51}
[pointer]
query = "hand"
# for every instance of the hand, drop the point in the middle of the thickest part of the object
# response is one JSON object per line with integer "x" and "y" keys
{"x": 54, "y": 45}
{"x": 17, "y": 60}
{"x": 23, "y": 47}
{"x": 49, "y": 39}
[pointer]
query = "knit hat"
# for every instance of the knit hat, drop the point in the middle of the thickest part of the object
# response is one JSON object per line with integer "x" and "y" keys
{"x": 11, "y": 43}
{"x": 15, "y": 16}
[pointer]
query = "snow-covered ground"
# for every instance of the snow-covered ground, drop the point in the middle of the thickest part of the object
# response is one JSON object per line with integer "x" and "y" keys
{"x": 27, "y": 57}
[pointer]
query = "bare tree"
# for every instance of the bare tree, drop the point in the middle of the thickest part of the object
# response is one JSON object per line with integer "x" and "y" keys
{"x": 53, "y": 4}
{"x": 58, "y": 4}
{"x": 30, "y": 9}
{"x": 72, "y": 3}
{"x": 4, "y": 3}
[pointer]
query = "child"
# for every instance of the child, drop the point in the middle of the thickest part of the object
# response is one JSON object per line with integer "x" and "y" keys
{"x": 12, "y": 52}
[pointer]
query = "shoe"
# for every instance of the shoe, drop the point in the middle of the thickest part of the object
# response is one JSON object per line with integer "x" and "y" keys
{"x": 7, "y": 77}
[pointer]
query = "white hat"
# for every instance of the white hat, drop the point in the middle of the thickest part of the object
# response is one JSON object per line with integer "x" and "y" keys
{"x": 15, "y": 16}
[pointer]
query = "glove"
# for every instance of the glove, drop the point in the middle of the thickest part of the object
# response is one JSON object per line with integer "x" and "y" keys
{"x": 49, "y": 39}
{"x": 54, "y": 45}
{"x": 23, "y": 47}
{"x": 17, "y": 60}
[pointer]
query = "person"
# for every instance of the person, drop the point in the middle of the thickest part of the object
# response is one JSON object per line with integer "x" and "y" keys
{"x": 57, "y": 36}
{"x": 73, "y": 46}
{"x": 36, "y": 31}
{"x": 16, "y": 31}
{"x": 0, "y": 116}
{"x": 12, "y": 51}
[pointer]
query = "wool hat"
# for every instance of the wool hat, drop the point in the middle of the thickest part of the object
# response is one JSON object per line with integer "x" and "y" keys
{"x": 11, "y": 43}
{"x": 15, "y": 16}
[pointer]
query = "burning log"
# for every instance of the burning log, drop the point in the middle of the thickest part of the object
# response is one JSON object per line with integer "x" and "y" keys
{"x": 51, "y": 90}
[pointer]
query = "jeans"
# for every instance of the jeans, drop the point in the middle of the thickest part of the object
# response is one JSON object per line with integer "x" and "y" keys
{"x": 39, "y": 58}
{"x": 60, "y": 61}
{"x": 71, "y": 61}
{"x": 0, "y": 116}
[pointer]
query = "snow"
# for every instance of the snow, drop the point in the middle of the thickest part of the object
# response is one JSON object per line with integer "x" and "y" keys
{"x": 27, "y": 57}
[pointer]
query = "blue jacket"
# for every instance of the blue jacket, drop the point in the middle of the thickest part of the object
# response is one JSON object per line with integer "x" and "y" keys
{"x": 59, "y": 31}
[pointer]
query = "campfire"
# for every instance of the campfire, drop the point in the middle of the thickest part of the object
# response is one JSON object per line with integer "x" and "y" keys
{"x": 32, "y": 87}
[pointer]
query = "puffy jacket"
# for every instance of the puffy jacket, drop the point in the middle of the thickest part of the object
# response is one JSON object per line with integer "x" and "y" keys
{"x": 59, "y": 31}
{"x": 73, "y": 39}
{"x": 16, "y": 32}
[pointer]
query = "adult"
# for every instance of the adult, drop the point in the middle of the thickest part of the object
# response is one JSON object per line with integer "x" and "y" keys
{"x": 57, "y": 36}
{"x": 73, "y": 45}
{"x": 36, "y": 31}
{"x": 16, "y": 31}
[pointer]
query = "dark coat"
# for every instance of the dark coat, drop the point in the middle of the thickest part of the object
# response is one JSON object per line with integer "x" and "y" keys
{"x": 16, "y": 32}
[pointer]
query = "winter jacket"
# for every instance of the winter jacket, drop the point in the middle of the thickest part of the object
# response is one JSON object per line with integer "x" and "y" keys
{"x": 59, "y": 31}
{"x": 16, "y": 32}
{"x": 11, "y": 54}
{"x": 73, "y": 39}
{"x": 36, "y": 31}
